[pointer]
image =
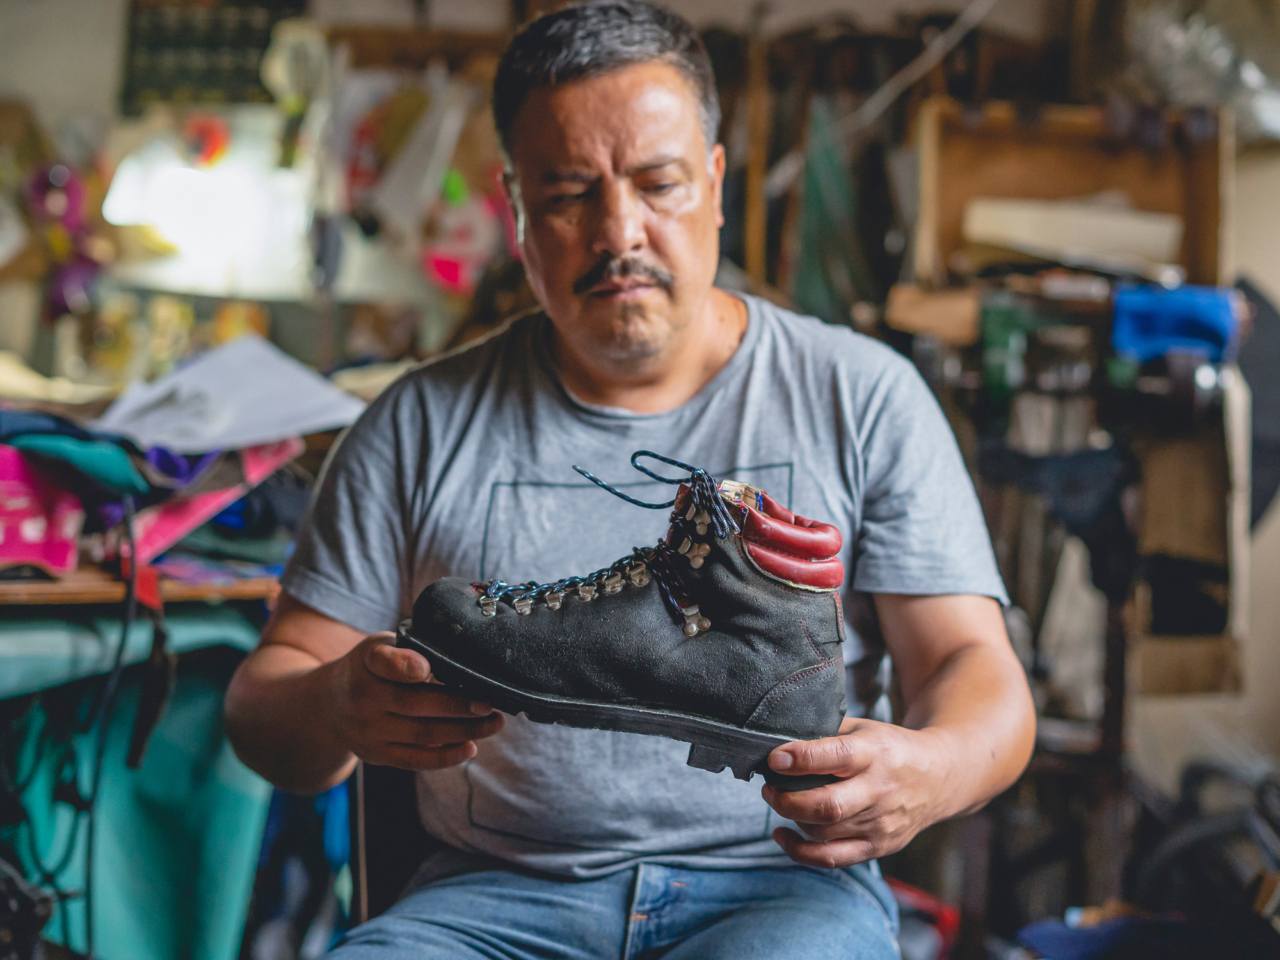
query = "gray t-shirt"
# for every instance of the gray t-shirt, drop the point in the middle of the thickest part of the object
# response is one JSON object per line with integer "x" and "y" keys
{"x": 463, "y": 469}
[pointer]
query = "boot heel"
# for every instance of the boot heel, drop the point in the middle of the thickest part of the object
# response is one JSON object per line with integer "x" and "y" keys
{"x": 716, "y": 759}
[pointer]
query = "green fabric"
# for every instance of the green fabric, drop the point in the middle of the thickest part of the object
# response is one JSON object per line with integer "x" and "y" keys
{"x": 1007, "y": 321}
{"x": 106, "y": 462}
{"x": 274, "y": 549}
{"x": 178, "y": 839}
{"x": 831, "y": 272}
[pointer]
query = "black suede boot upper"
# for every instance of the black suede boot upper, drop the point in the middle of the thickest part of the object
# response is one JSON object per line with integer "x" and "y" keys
{"x": 696, "y": 625}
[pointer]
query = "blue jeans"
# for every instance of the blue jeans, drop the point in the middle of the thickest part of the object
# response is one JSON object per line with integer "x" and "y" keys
{"x": 641, "y": 913}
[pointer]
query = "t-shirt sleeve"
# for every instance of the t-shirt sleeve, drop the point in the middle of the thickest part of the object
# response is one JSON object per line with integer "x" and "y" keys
{"x": 922, "y": 529}
{"x": 352, "y": 553}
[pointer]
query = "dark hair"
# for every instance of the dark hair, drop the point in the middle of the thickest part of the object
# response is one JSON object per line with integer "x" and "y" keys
{"x": 595, "y": 37}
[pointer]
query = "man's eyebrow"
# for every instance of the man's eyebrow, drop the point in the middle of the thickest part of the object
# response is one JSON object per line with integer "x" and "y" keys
{"x": 553, "y": 177}
{"x": 659, "y": 162}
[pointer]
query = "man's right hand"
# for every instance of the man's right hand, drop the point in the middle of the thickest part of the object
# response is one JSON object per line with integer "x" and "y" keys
{"x": 386, "y": 711}
{"x": 317, "y": 694}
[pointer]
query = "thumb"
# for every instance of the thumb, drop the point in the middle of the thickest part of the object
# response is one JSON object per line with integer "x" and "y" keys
{"x": 384, "y": 659}
{"x": 843, "y": 756}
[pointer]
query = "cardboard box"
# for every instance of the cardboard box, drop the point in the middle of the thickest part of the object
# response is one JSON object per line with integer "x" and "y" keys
{"x": 1196, "y": 497}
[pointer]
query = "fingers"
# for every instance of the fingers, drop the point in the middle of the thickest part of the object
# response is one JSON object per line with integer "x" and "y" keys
{"x": 412, "y": 731}
{"x": 829, "y": 855}
{"x": 832, "y": 804}
{"x": 430, "y": 700}
{"x": 835, "y": 831}
{"x": 412, "y": 744}
{"x": 410, "y": 670}
{"x": 384, "y": 659}
{"x": 408, "y": 756}
{"x": 844, "y": 755}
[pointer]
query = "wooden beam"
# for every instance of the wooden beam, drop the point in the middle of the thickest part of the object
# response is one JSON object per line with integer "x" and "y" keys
{"x": 757, "y": 208}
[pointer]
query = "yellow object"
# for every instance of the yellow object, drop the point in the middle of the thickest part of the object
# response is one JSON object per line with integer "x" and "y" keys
{"x": 171, "y": 320}
{"x": 235, "y": 318}
{"x": 20, "y": 382}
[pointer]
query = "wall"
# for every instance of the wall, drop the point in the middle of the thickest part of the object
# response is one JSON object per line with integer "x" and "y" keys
{"x": 1020, "y": 18}
{"x": 62, "y": 56}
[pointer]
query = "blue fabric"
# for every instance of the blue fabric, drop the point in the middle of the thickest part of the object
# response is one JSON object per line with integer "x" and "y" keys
{"x": 1149, "y": 321}
{"x": 1053, "y": 938}
{"x": 333, "y": 807}
{"x": 644, "y": 912}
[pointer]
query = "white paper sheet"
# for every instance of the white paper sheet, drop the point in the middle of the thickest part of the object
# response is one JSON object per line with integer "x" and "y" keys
{"x": 242, "y": 394}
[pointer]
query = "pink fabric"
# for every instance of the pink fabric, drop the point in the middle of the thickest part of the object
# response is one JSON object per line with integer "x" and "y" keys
{"x": 158, "y": 528}
{"x": 40, "y": 521}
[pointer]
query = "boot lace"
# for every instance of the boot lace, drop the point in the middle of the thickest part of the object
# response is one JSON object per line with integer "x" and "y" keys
{"x": 707, "y": 510}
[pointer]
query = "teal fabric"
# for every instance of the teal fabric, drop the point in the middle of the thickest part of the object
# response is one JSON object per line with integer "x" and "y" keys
{"x": 36, "y": 654}
{"x": 178, "y": 839}
{"x": 106, "y": 462}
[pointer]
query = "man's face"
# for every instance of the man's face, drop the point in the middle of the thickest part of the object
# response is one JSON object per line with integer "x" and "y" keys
{"x": 621, "y": 205}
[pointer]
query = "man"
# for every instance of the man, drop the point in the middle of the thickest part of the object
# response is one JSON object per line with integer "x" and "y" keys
{"x": 575, "y": 843}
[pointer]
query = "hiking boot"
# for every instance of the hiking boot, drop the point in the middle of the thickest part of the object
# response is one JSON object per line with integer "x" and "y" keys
{"x": 725, "y": 635}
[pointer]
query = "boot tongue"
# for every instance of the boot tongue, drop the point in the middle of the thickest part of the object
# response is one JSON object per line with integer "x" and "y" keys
{"x": 738, "y": 497}
{"x": 742, "y": 494}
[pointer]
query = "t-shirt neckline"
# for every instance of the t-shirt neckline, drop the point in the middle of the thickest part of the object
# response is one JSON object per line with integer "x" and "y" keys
{"x": 741, "y": 356}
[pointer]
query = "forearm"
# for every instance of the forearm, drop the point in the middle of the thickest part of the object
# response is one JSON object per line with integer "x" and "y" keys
{"x": 277, "y": 714}
{"x": 977, "y": 709}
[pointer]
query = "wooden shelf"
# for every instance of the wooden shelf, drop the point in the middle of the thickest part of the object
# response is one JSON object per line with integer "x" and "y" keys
{"x": 91, "y": 584}
{"x": 412, "y": 49}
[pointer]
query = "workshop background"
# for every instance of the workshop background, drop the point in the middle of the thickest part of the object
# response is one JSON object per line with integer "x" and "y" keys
{"x": 226, "y": 225}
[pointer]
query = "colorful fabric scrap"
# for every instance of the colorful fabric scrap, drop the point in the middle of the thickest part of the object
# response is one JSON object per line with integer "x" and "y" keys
{"x": 39, "y": 521}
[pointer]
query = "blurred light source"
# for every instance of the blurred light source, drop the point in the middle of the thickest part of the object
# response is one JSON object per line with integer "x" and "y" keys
{"x": 215, "y": 213}
{"x": 239, "y": 226}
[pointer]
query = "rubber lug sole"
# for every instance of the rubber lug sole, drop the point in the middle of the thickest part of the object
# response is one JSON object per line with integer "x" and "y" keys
{"x": 714, "y": 746}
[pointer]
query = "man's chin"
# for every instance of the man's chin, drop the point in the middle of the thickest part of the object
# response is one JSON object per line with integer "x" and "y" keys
{"x": 628, "y": 331}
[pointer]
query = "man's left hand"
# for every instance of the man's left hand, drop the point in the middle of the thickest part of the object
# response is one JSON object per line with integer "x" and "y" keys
{"x": 891, "y": 782}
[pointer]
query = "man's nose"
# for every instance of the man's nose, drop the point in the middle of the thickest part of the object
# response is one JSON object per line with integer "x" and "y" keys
{"x": 620, "y": 228}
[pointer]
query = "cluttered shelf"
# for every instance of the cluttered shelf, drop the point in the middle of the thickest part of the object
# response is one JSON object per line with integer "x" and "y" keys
{"x": 201, "y": 475}
{"x": 93, "y": 584}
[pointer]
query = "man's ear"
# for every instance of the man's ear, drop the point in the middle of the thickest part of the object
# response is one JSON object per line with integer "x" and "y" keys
{"x": 715, "y": 171}
{"x": 511, "y": 187}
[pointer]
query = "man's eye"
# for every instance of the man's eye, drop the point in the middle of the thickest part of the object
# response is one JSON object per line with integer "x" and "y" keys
{"x": 563, "y": 199}
{"x": 660, "y": 188}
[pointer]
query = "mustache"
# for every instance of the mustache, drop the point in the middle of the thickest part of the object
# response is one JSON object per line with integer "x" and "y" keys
{"x": 620, "y": 268}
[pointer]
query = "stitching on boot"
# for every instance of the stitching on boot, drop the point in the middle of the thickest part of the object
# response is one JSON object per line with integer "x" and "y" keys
{"x": 808, "y": 683}
{"x": 761, "y": 711}
{"x": 808, "y": 636}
